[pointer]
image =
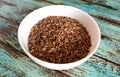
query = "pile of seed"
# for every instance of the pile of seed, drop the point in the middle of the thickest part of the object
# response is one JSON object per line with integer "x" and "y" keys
{"x": 59, "y": 39}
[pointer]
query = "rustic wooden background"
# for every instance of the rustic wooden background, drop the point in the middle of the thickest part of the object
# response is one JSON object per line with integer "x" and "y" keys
{"x": 104, "y": 63}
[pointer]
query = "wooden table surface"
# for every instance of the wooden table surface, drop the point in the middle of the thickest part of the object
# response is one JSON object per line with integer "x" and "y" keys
{"x": 104, "y": 63}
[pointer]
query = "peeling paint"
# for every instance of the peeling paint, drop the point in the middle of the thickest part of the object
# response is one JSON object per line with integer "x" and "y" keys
{"x": 105, "y": 62}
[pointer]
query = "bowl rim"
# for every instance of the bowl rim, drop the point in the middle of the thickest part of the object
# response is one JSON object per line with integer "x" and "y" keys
{"x": 84, "y": 59}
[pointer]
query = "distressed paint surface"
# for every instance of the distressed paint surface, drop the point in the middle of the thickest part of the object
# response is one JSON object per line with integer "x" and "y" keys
{"x": 104, "y": 63}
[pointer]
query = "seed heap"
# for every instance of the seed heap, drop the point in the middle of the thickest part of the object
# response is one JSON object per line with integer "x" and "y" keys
{"x": 59, "y": 39}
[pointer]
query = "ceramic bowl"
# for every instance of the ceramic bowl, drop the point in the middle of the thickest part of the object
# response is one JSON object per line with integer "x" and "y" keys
{"x": 59, "y": 10}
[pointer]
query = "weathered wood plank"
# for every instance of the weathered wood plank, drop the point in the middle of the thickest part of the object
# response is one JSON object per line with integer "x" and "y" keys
{"x": 111, "y": 30}
{"x": 6, "y": 72}
{"x": 113, "y": 13}
{"x": 110, "y": 4}
{"x": 109, "y": 49}
{"x": 100, "y": 67}
{"x": 105, "y": 62}
{"x": 80, "y": 4}
{"x": 106, "y": 30}
{"x": 3, "y": 23}
{"x": 15, "y": 53}
{"x": 92, "y": 9}
{"x": 23, "y": 66}
{"x": 107, "y": 24}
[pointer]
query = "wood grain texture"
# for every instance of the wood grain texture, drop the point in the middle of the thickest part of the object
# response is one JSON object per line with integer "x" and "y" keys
{"x": 104, "y": 63}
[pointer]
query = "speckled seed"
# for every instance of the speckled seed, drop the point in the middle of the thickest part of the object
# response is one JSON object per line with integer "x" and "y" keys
{"x": 59, "y": 39}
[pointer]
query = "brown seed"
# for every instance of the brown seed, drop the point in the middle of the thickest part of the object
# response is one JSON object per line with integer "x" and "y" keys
{"x": 59, "y": 39}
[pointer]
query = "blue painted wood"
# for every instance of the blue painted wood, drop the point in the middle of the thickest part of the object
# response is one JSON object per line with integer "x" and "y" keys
{"x": 104, "y": 63}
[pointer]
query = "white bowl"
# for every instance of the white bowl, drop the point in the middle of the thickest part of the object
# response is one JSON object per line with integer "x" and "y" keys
{"x": 58, "y": 10}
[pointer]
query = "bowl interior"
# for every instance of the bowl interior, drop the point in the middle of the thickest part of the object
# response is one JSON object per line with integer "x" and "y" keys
{"x": 58, "y": 10}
